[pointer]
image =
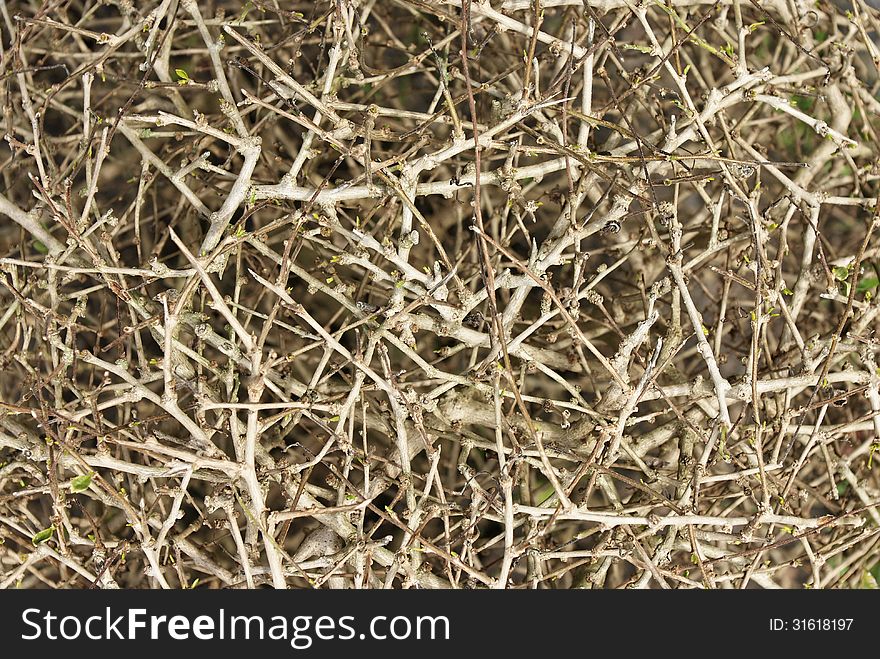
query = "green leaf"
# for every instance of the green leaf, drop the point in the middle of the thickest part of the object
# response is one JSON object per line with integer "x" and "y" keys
{"x": 183, "y": 75}
{"x": 841, "y": 273}
{"x": 40, "y": 247}
{"x": 42, "y": 536}
{"x": 868, "y": 581}
{"x": 80, "y": 483}
{"x": 867, "y": 284}
{"x": 247, "y": 7}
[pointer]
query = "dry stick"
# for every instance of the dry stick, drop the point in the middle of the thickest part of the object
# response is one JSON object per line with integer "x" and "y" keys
{"x": 255, "y": 388}
{"x": 487, "y": 270}
{"x": 31, "y": 224}
{"x": 329, "y": 76}
{"x": 722, "y": 386}
{"x": 505, "y": 468}
{"x": 562, "y": 310}
{"x": 844, "y": 317}
{"x": 281, "y": 75}
{"x": 218, "y": 302}
{"x": 875, "y": 220}
{"x": 656, "y": 521}
{"x": 398, "y": 410}
{"x": 132, "y": 136}
{"x": 444, "y": 386}
{"x": 230, "y": 109}
{"x": 548, "y": 468}
{"x": 175, "y": 509}
{"x": 248, "y": 147}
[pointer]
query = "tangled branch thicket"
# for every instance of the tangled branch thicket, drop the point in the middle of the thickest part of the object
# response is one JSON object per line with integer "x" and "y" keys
{"x": 439, "y": 293}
